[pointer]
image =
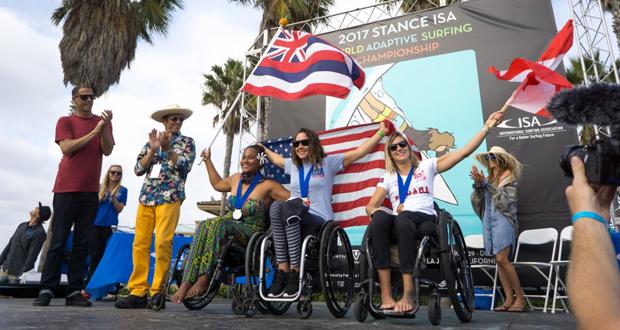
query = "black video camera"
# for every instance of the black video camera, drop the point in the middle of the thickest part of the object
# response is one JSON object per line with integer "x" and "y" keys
{"x": 598, "y": 104}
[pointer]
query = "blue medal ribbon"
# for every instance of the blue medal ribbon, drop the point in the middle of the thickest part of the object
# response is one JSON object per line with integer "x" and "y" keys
{"x": 239, "y": 201}
{"x": 404, "y": 187}
{"x": 304, "y": 183}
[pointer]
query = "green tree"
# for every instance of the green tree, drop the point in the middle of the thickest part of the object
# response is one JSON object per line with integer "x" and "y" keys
{"x": 221, "y": 87}
{"x": 294, "y": 10}
{"x": 613, "y": 6}
{"x": 100, "y": 36}
{"x": 408, "y": 6}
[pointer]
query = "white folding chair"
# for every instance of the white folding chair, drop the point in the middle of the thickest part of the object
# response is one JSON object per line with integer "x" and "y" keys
{"x": 562, "y": 261}
{"x": 538, "y": 237}
{"x": 477, "y": 242}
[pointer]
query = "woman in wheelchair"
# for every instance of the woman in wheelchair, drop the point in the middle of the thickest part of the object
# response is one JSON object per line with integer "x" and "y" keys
{"x": 251, "y": 195}
{"x": 408, "y": 183}
{"x": 312, "y": 176}
{"x": 494, "y": 200}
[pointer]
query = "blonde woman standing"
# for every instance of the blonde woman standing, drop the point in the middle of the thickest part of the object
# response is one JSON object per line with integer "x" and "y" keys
{"x": 112, "y": 200}
{"x": 494, "y": 199}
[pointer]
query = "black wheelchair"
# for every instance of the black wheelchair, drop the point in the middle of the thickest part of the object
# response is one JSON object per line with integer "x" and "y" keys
{"x": 448, "y": 246}
{"x": 230, "y": 270}
{"x": 327, "y": 258}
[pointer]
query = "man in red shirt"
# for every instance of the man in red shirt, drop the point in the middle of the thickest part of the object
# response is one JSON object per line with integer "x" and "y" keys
{"x": 83, "y": 139}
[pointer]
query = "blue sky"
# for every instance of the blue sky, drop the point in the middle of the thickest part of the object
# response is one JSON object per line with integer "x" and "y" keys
{"x": 32, "y": 96}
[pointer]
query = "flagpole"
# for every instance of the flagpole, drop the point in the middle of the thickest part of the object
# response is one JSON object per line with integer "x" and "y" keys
{"x": 240, "y": 92}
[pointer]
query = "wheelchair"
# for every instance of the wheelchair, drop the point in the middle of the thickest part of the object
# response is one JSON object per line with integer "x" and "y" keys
{"x": 230, "y": 270}
{"x": 448, "y": 245}
{"x": 327, "y": 258}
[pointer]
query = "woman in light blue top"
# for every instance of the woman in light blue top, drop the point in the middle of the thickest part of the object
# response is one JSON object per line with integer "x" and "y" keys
{"x": 495, "y": 201}
{"x": 312, "y": 178}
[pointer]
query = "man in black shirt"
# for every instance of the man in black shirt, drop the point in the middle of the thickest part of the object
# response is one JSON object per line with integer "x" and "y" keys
{"x": 20, "y": 254}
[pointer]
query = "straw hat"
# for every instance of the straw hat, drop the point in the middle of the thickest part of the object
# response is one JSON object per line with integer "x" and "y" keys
{"x": 501, "y": 155}
{"x": 172, "y": 109}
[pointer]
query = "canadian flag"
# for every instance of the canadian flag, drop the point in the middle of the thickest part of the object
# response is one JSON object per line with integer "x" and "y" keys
{"x": 538, "y": 80}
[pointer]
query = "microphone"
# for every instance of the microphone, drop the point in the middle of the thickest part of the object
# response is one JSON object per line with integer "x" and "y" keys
{"x": 597, "y": 104}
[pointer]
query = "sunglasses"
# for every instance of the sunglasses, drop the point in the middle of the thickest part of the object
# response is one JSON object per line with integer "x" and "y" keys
{"x": 176, "y": 118}
{"x": 87, "y": 97}
{"x": 489, "y": 156}
{"x": 401, "y": 144}
{"x": 116, "y": 173}
{"x": 304, "y": 143}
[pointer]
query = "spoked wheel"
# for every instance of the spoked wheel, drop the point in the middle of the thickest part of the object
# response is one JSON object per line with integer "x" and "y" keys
{"x": 336, "y": 269}
{"x": 271, "y": 266}
{"x": 175, "y": 275}
{"x": 455, "y": 267}
{"x": 201, "y": 301}
{"x": 365, "y": 274}
{"x": 252, "y": 261}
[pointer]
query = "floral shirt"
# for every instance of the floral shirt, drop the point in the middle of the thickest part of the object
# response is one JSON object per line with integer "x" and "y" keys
{"x": 169, "y": 186}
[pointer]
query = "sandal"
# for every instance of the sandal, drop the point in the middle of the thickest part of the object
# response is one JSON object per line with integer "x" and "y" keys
{"x": 517, "y": 309}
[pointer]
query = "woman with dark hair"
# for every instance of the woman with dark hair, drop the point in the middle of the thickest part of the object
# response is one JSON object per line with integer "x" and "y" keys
{"x": 112, "y": 200}
{"x": 251, "y": 195}
{"x": 312, "y": 177}
{"x": 495, "y": 201}
{"x": 408, "y": 183}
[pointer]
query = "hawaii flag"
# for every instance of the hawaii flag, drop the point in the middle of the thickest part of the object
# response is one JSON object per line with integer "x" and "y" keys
{"x": 539, "y": 81}
{"x": 298, "y": 64}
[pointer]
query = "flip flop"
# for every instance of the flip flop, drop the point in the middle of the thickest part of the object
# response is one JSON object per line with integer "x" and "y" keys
{"x": 502, "y": 308}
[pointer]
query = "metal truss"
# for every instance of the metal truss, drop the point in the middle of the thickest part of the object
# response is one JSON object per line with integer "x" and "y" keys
{"x": 253, "y": 106}
{"x": 593, "y": 41}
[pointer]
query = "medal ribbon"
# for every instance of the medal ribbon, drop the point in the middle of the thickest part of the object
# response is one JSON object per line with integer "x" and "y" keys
{"x": 404, "y": 187}
{"x": 239, "y": 201}
{"x": 304, "y": 183}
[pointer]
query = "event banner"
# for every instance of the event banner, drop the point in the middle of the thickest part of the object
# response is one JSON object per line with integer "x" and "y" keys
{"x": 427, "y": 72}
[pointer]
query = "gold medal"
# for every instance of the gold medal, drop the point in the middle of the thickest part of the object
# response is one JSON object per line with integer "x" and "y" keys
{"x": 400, "y": 208}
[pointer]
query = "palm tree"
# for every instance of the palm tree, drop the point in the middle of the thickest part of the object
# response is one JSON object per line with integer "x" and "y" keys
{"x": 613, "y": 6}
{"x": 294, "y": 10}
{"x": 220, "y": 90}
{"x": 100, "y": 36}
{"x": 409, "y": 6}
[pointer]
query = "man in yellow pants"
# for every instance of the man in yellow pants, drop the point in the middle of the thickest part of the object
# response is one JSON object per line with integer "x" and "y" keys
{"x": 166, "y": 160}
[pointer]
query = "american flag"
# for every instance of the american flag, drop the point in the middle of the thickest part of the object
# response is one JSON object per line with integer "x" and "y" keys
{"x": 297, "y": 64}
{"x": 354, "y": 186}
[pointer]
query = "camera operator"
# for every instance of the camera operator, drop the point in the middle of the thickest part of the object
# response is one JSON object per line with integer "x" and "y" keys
{"x": 593, "y": 277}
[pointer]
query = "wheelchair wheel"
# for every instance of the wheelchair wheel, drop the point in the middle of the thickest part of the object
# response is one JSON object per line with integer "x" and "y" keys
{"x": 360, "y": 311}
{"x": 304, "y": 308}
{"x": 201, "y": 301}
{"x": 176, "y": 271}
{"x": 252, "y": 261}
{"x": 455, "y": 267}
{"x": 365, "y": 273}
{"x": 253, "y": 267}
{"x": 434, "y": 309}
{"x": 158, "y": 301}
{"x": 336, "y": 269}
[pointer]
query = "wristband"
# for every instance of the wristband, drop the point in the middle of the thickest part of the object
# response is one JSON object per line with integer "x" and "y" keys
{"x": 485, "y": 129}
{"x": 380, "y": 133}
{"x": 590, "y": 215}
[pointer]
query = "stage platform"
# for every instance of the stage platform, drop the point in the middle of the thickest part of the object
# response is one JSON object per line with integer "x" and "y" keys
{"x": 20, "y": 314}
